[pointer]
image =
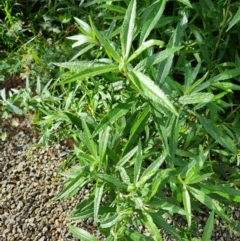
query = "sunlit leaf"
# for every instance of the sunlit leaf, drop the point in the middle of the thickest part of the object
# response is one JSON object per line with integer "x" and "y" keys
{"x": 151, "y": 18}
{"x": 208, "y": 228}
{"x": 151, "y": 91}
{"x": 82, "y": 234}
{"x": 187, "y": 205}
{"x": 114, "y": 114}
{"x": 97, "y": 201}
{"x": 127, "y": 28}
{"x": 144, "y": 46}
{"x": 196, "y": 98}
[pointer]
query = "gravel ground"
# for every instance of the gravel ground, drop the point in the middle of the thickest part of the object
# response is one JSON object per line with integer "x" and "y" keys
{"x": 28, "y": 182}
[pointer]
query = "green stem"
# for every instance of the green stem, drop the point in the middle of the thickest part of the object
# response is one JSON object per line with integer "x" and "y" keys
{"x": 221, "y": 30}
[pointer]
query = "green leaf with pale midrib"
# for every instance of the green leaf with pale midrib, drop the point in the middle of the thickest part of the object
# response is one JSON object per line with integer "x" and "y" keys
{"x": 89, "y": 72}
{"x": 127, "y": 28}
{"x": 150, "y": 90}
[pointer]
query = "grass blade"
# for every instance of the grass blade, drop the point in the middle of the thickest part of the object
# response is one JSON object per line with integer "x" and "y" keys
{"x": 127, "y": 28}
{"x": 150, "y": 90}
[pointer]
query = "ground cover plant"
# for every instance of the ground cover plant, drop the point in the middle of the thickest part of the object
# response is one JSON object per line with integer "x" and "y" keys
{"x": 151, "y": 99}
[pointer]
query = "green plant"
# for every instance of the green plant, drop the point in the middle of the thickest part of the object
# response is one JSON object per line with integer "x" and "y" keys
{"x": 152, "y": 105}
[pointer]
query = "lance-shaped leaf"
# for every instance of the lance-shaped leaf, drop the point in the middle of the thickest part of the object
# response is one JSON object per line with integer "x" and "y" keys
{"x": 155, "y": 58}
{"x": 82, "y": 234}
{"x": 144, "y": 46}
{"x": 209, "y": 202}
{"x": 217, "y": 134}
{"x": 150, "y": 90}
{"x": 97, "y": 201}
{"x": 90, "y": 72}
{"x": 196, "y": 98}
{"x": 234, "y": 20}
{"x": 85, "y": 28}
{"x": 117, "y": 112}
{"x": 187, "y": 205}
{"x": 111, "y": 52}
{"x": 151, "y": 18}
{"x": 127, "y": 28}
{"x": 208, "y": 228}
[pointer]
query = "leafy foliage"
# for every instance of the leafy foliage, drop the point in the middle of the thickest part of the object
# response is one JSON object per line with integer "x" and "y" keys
{"x": 151, "y": 101}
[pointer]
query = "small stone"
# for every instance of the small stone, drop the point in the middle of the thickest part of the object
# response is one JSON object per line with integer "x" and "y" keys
{"x": 42, "y": 238}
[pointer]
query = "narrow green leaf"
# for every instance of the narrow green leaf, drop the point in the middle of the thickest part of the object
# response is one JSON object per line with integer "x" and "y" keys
{"x": 73, "y": 186}
{"x": 117, "y": 112}
{"x": 138, "y": 163}
{"x": 97, "y": 201}
{"x": 151, "y": 18}
{"x": 187, "y": 205}
{"x": 151, "y": 91}
{"x": 103, "y": 143}
{"x": 136, "y": 129}
{"x": 81, "y": 39}
{"x": 198, "y": 178}
{"x": 217, "y": 134}
{"x": 209, "y": 202}
{"x": 196, "y": 98}
{"x": 151, "y": 170}
{"x": 89, "y": 140}
{"x": 86, "y": 29}
{"x": 127, "y": 157}
{"x": 134, "y": 235}
{"x": 111, "y": 221}
{"x": 185, "y": 2}
{"x": 89, "y": 72}
{"x": 228, "y": 74}
{"x": 80, "y": 65}
{"x": 124, "y": 176}
{"x": 74, "y": 119}
{"x": 226, "y": 86}
{"x": 155, "y": 58}
{"x": 208, "y": 228}
{"x": 224, "y": 191}
{"x": 127, "y": 28}
{"x": 82, "y": 234}
{"x": 144, "y": 46}
{"x": 112, "y": 180}
{"x": 173, "y": 141}
{"x": 234, "y": 20}
{"x": 153, "y": 229}
{"x": 163, "y": 224}
{"x": 111, "y": 52}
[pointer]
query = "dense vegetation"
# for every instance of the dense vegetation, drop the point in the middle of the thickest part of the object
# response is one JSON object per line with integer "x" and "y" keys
{"x": 149, "y": 92}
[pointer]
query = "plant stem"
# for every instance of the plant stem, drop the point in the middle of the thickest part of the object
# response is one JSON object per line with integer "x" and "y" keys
{"x": 221, "y": 30}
